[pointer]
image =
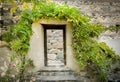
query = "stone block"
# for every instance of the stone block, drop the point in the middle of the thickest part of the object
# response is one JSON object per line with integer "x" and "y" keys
{"x": 51, "y": 56}
{"x": 4, "y": 60}
{"x": 3, "y": 43}
{"x": 53, "y": 41}
{"x": 54, "y": 51}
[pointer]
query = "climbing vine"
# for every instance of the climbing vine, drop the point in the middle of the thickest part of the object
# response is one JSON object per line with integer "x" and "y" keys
{"x": 86, "y": 49}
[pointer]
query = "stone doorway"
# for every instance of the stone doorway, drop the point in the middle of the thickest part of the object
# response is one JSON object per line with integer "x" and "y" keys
{"x": 54, "y": 44}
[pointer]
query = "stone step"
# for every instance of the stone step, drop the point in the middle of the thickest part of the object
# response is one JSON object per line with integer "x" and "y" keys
{"x": 68, "y": 78}
{"x": 55, "y": 69}
{"x": 56, "y": 73}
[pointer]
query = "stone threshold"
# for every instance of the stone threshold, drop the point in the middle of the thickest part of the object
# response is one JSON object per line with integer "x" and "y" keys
{"x": 55, "y": 69}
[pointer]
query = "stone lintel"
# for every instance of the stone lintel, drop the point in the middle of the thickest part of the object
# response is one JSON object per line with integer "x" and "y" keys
{"x": 53, "y": 21}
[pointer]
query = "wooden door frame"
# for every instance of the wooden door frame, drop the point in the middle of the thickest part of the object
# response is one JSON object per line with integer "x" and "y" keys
{"x": 56, "y": 27}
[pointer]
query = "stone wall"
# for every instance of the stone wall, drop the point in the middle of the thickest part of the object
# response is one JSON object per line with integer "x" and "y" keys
{"x": 105, "y": 12}
{"x": 6, "y": 19}
{"x": 55, "y": 48}
{"x": 4, "y": 58}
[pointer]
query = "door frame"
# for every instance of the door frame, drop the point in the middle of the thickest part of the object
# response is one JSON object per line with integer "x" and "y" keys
{"x": 56, "y": 27}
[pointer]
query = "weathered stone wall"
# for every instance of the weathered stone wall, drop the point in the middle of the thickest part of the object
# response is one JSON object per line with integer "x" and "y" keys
{"x": 105, "y": 12}
{"x": 6, "y": 18}
{"x": 55, "y": 48}
{"x": 4, "y": 58}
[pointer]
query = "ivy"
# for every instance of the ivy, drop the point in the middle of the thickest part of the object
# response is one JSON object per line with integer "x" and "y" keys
{"x": 87, "y": 50}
